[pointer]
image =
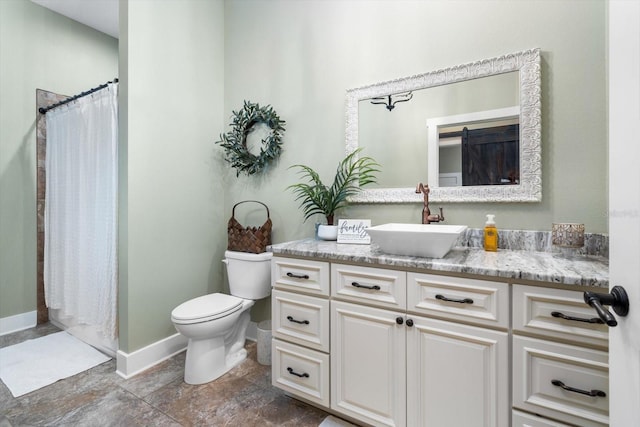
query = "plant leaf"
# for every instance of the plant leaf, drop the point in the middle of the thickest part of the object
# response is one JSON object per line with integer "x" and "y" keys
{"x": 351, "y": 175}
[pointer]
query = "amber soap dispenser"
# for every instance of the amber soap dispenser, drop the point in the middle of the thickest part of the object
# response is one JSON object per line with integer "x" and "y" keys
{"x": 490, "y": 235}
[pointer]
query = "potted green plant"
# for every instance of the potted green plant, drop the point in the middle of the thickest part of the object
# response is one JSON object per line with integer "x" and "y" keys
{"x": 317, "y": 198}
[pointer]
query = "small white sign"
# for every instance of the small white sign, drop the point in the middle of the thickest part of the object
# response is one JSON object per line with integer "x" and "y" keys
{"x": 353, "y": 231}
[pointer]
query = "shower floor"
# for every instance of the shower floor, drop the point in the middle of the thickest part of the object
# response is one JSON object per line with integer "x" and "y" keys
{"x": 156, "y": 397}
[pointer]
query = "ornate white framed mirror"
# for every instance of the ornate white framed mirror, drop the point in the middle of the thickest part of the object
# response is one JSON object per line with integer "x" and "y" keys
{"x": 414, "y": 127}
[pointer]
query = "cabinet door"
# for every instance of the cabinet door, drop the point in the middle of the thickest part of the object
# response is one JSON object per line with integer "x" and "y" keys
{"x": 368, "y": 364}
{"x": 457, "y": 375}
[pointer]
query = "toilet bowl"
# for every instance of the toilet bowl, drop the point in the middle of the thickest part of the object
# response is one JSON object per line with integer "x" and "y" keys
{"x": 215, "y": 324}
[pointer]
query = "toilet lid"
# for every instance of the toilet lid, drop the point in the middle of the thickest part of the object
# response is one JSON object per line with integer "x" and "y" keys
{"x": 205, "y": 308}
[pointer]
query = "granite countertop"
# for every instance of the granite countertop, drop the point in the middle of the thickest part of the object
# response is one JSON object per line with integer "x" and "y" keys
{"x": 553, "y": 267}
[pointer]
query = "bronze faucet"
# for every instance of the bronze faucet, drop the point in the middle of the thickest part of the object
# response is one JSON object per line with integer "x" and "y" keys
{"x": 427, "y": 218}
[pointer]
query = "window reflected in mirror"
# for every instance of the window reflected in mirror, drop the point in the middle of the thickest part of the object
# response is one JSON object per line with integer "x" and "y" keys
{"x": 479, "y": 154}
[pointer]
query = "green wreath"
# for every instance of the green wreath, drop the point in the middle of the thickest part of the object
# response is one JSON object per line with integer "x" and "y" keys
{"x": 235, "y": 141}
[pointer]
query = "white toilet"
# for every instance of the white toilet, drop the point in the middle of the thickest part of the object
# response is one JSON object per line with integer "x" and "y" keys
{"x": 216, "y": 324}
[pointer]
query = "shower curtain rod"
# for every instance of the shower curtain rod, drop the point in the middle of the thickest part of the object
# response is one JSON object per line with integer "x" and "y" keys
{"x": 73, "y": 98}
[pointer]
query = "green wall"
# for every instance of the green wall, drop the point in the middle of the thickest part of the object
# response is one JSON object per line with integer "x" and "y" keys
{"x": 301, "y": 56}
{"x": 312, "y": 51}
{"x": 39, "y": 49}
{"x": 171, "y": 213}
{"x": 185, "y": 65}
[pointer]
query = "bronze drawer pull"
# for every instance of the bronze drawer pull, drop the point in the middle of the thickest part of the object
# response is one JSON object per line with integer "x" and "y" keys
{"x": 459, "y": 301}
{"x": 302, "y": 322}
{"x": 292, "y": 372}
{"x": 358, "y": 285}
{"x": 298, "y": 276}
{"x": 592, "y": 393}
{"x": 576, "y": 319}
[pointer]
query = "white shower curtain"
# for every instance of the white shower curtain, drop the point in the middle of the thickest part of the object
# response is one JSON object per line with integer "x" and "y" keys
{"x": 80, "y": 263}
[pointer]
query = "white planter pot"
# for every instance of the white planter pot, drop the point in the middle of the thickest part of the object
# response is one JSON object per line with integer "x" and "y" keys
{"x": 328, "y": 232}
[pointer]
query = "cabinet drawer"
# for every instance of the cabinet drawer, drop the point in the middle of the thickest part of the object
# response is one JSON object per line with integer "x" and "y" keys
{"x": 301, "y": 319}
{"x": 301, "y": 372}
{"x": 522, "y": 419}
{"x": 300, "y": 275}
{"x": 374, "y": 286}
{"x": 478, "y": 301}
{"x": 532, "y": 312}
{"x": 537, "y": 364}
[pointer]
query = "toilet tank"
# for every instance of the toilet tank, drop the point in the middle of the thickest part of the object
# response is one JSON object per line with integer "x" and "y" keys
{"x": 249, "y": 274}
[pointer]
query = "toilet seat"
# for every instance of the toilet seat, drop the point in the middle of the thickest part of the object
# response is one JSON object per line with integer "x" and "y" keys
{"x": 206, "y": 308}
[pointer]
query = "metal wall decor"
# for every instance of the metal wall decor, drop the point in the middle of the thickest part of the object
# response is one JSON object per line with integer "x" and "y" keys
{"x": 390, "y": 101}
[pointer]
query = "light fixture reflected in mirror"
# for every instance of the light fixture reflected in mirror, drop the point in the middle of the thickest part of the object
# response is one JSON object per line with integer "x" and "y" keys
{"x": 390, "y": 101}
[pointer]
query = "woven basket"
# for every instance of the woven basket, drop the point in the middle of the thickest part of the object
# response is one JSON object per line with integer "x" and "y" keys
{"x": 248, "y": 239}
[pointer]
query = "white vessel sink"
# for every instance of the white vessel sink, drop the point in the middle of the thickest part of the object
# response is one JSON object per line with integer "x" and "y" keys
{"x": 424, "y": 240}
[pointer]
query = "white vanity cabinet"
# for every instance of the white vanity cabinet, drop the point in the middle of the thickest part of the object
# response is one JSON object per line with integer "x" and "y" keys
{"x": 300, "y": 323}
{"x": 389, "y": 347}
{"x": 560, "y": 359}
{"x": 391, "y": 365}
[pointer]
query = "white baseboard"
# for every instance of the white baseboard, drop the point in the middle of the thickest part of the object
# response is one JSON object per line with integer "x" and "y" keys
{"x": 131, "y": 364}
{"x": 18, "y": 322}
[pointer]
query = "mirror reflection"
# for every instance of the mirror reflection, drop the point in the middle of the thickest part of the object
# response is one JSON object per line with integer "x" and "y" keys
{"x": 472, "y": 130}
{"x": 474, "y": 149}
{"x": 479, "y": 154}
{"x": 399, "y": 138}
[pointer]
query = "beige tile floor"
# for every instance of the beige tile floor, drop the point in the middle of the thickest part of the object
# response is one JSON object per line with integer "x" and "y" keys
{"x": 156, "y": 397}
